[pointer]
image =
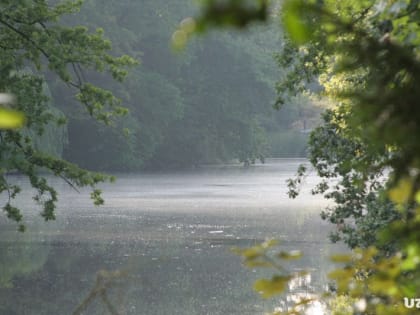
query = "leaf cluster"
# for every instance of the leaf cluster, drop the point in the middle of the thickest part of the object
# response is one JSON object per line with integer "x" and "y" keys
{"x": 372, "y": 71}
{"x": 34, "y": 42}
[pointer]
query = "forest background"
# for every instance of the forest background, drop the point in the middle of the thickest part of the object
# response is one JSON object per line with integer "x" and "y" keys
{"x": 363, "y": 53}
{"x": 212, "y": 103}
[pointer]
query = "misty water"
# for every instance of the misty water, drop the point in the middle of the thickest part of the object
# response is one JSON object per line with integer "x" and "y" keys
{"x": 170, "y": 235}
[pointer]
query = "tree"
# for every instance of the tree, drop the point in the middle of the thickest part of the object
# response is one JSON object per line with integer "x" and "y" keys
{"x": 34, "y": 44}
{"x": 354, "y": 177}
{"x": 176, "y": 122}
{"x": 371, "y": 71}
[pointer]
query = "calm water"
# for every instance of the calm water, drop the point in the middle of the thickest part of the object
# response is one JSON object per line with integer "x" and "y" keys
{"x": 169, "y": 235}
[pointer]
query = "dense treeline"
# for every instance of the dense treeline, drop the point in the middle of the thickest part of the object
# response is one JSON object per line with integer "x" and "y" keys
{"x": 212, "y": 103}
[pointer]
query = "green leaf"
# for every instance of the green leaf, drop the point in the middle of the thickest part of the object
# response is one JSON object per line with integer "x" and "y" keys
{"x": 341, "y": 258}
{"x": 401, "y": 193}
{"x": 413, "y": 257}
{"x": 258, "y": 263}
{"x": 11, "y": 119}
{"x": 268, "y": 288}
{"x": 252, "y": 253}
{"x": 294, "y": 254}
{"x": 179, "y": 39}
{"x": 294, "y": 23}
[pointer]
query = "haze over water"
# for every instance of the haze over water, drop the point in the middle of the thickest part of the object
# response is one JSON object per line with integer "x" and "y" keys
{"x": 171, "y": 234}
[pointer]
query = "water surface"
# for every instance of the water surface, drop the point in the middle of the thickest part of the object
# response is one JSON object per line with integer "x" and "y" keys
{"x": 169, "y": 236}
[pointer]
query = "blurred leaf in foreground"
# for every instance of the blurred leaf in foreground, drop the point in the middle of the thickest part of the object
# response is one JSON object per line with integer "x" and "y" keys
{"x": 11, "y": 119}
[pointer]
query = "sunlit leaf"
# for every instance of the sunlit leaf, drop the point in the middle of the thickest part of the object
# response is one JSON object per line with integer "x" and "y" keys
{"x": 383, "y": 286}
{"x": 252, "y": 253}
{"x": 341, "y": 274}
{"x": 268, "y": 288}
{"x": 269, "y": 243}
{"x": 249, "y": 253}
{"x": 294, "y": 254}
{"x": 188, "y": 25}
{"x": 179, "y": 39}
{"x": 341, "y": 258}
{"x": 417, "y": 197}
{"x": 11, "y": 119}
{"x": 413, "y": 257}
{"x": 258, "y": 263}
{"x": 402, "y": 192}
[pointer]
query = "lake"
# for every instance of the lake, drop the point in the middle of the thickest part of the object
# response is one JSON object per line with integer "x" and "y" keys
{"x": 162, "y": 243}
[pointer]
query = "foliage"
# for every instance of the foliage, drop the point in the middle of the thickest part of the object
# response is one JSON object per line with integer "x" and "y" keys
{"x": 231, "y": 13}
{"x": 222, "y": 114}
{"x": 356, "y": 185}
{"x": 10, "y": 119}
{"x": 341, "y": 305}
{"x": 34, "y": 43}
{"x": 265, "y": 255}
{"x": 373, "y": 76}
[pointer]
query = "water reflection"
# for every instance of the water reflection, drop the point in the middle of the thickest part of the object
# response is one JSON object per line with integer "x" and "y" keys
{"x": 170, "y": 236}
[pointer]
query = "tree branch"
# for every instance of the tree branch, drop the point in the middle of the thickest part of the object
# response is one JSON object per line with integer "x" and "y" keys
{"x": 26, "y": 37}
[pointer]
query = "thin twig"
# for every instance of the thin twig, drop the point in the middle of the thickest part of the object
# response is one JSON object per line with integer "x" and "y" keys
{"x": 68, "y": 182}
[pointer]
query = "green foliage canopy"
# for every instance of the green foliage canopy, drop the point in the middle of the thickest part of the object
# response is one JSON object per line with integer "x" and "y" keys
{"x": 209, "y": 104}
{"x": 34, "y": 43}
